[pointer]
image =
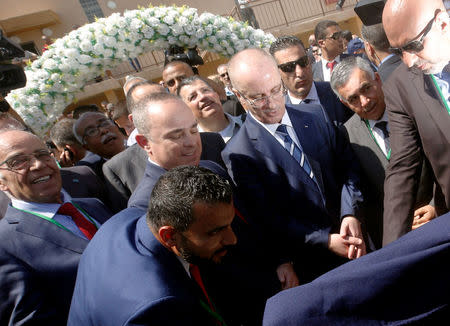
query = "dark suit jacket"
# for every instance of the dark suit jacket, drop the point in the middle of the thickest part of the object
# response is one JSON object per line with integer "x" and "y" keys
{"x": 332, "y": 107}
{"x": 373, "y": 164}
{"x": 38, "y": 264}
{"x": 124, "y": 171}
{"x": 145, "y": 285}
{"x": 280, "y": 196}
{"x": 141, "y": 195}
{"x": 377, "y": 289}
{"x": 318, "y": 70}
{"x": 388, "y": 67}
{"x": 82, "y": 182}
{"x": 94, "y": 161}
{"x": 420, "y": 127}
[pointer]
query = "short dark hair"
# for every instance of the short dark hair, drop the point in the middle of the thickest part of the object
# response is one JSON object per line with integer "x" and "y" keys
{"x": 79, "y": 110}
{"x": 320, "y": 32}
{"x": 347, "y": 35}
{"x": 118, "y": 110}
{"x": 176, "y": 63}
{"x": 375, "y": 36}
{"x": 190, "y": 80}
{"x": 61, "y": 133}
{"x": 285, "y": 42}
{"x": 178, "y": 190}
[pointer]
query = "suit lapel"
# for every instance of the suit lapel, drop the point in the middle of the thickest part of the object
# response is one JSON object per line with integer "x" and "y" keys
{"x": 433, "y": 103}
{"x": 45, "y": 230}
{"x": 368, "y": 140}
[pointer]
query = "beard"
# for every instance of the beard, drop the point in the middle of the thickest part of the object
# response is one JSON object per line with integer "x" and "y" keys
{"x": 191, "y": 257}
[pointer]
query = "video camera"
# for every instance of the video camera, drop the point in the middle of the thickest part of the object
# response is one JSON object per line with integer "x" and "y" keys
{"x": 11, "y": 76}
{"x": 176, "y": 53}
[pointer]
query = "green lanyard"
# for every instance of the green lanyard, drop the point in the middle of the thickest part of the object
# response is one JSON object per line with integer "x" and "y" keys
{"x": 444, "y": 100}
{"x": 213, "y": 313}
{"x": 388, "y": 156}
{"x": 51, "y": 220}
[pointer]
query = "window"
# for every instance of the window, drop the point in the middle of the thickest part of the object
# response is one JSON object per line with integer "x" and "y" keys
{"x": 91, "y": 9}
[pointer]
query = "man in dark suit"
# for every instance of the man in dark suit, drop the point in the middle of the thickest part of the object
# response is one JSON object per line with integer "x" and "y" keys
{"x": 378, "y": 289}
{"x": 296, "y": 73}
{"x": 168, "y": 133}
{"x": 188, "y": 225}
{"x": 301, "y": 198}
{"x": 125, "y": 170}
{"x": 328, "y": 35}
{"x": 376, "y": 46}
{"x": 368, "y": 131}
{"x": 418, "y": 108}
{"x": 44, "y": 233}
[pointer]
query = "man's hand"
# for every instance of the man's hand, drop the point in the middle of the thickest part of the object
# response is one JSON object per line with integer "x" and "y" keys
{"x": 350, "y": 226}
{"x": 340, "y": 245}
{"x": 423, "y": 215}
{"x": 65, "y": 159}
{"x": 286, "y": 276}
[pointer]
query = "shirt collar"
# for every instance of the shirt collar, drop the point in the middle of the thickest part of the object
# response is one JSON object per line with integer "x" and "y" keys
{"x": 312, "y": 95}
{"x": 272, "y": 128}
{"x": 384, "y": 117}
{"x": 47, "y": 209}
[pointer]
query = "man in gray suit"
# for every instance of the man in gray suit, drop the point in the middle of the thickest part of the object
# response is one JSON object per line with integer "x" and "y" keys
{"x": 354, "y": 81}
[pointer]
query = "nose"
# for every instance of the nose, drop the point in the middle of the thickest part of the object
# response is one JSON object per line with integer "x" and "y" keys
{"x": 364, "y": 101}
{"x": 190, "y": 139}
{"x": 409, "y": 58}
{"x": 298, "y": 70}
{"x": 36, "y": 164}
{"x": 229, "y": 238}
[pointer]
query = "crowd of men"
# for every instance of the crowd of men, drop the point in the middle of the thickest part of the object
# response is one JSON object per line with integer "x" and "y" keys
{"x": 304, "y": 190}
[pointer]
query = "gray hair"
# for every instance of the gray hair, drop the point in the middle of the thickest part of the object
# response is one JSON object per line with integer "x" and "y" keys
{"x": 341, "y": 74}
{"x": 140, "y": 112}
{"x": 77, "y": 123}
{"x": 375, "y": 36}
{"x": 190, "y": 80}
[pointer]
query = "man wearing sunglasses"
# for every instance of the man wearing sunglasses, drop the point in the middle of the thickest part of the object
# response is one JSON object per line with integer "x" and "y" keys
{"x": 329, "y": 38}
{"x": 44, "y": 232}
{"x": 417, "y": 97}
{"x": 295, "y": 69}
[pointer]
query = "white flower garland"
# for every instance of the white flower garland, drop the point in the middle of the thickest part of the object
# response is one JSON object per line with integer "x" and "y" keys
{"x": 80, "y": 56}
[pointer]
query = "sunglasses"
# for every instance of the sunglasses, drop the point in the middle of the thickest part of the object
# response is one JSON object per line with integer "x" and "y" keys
{"x": 416, "y": 45}
{"x": 336, "y": 36}
{"x": 224, "y": 74}
{"x": 290, "y": 66}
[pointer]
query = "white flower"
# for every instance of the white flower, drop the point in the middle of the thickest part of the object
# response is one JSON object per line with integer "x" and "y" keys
{"x": 163, "y": 29}
{"x": 86, "y": 46}
{"x": 50, "y": 64}
{"x": 169, "y": 19}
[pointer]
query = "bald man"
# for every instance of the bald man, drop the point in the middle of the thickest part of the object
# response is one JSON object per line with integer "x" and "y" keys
{"x": 418, "y": 108}
{"x": 299, "y": 200}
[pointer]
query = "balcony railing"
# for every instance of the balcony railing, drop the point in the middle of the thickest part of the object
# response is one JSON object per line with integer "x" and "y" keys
{"x": 272, "y": 15}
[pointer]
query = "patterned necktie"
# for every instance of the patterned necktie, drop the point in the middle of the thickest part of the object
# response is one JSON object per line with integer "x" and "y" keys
{"x": 294, "y": 150}
{"x": 330, "y": 65}
{"x": 83, "y": 224}
{"x": 382, "y": 125}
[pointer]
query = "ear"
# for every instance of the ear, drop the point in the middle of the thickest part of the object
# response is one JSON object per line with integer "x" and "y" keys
{"x": 321, "y": 43}
{"x": 130, "y": 117}
{"x": 167, "y": 235}
{"x": 144, "y": 143}
{"x": 3, "y": 186}
{"x": 443, "y": 20}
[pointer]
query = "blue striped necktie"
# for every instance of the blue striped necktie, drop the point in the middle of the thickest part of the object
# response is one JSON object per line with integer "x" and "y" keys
{"x": 294, "y": 150}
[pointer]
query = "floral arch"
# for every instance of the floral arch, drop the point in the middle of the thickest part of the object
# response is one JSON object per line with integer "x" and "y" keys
{"x": 73, "y": 60}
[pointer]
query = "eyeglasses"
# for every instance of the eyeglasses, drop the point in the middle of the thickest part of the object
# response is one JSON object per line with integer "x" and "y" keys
{"x": 416, "y": 45}
{"x": 335, "y": 36}
{"x": 315, "y": 51}
{"x": 259, "y": 102}
{"x": 23, "y": 161}
{"x": 223, "y": 75}
{"x": 95, "y": 131}
{"x": 290, "y": 66}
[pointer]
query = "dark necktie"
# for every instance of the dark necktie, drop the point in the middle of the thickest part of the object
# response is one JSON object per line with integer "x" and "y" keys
{"x": 330, "y": 65}
{"x": 294, "y": 150}
{"x": 83, "y": 224}
{"x": 307, "y": 100}
{"x": 382, "y": 125}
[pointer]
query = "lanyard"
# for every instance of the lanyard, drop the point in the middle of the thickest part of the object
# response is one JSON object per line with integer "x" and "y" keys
{"x": 388, "y": 156}
{"x": 213, "y": 313}
{"x": 51, "y": 220}
{"x": 440, "y": 93}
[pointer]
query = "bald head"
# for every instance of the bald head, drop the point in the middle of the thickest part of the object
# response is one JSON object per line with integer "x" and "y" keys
{"x": 255, "y": 76}
{"x": 407, "y": 20}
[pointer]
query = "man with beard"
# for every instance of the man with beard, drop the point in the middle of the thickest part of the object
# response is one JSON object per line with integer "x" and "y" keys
{"x": 153, "y": 261}
{"x": 418, "y": 101}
